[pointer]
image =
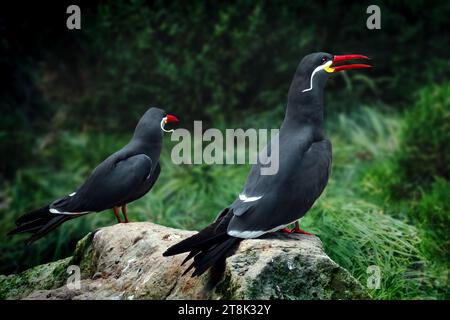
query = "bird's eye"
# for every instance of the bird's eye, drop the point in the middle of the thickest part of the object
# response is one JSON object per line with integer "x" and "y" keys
{"x": 324, "y": 59}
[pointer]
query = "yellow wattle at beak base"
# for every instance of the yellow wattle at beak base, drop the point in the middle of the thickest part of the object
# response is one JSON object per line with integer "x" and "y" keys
{"x": 328, "y": 67}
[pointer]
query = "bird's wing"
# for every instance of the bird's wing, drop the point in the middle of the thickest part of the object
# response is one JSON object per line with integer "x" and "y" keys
{"x": 284, "y": 197}
{"x": 109, "y": 185}
{"x": 155, "y": 175}
{"x": 255, "y": 186}
{"x": 147, "y": 186}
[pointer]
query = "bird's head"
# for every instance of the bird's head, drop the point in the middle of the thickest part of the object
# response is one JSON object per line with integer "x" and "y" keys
{"x": 167, "y": 119}
{"x": 152, "y": 124}
{"x": 314, "y": 70}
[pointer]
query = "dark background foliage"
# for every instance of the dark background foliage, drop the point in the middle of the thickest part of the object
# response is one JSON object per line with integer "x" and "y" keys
{"x": 69, "y": 98}
{"x": 200, "y": 60}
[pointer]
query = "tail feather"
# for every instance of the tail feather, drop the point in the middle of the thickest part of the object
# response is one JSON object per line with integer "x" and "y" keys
{"x": 185, "y": 272}
{"x": 51, "y": 224}
{"x": 216, "y": 274}
{"x": 207, "y": 259}
{"x": 196, "y": 242}
{"x": 213, "y": 233}
{"x": 29, "y": 217}
{"x": 191, "y": 254}
{"x": 39, "y": 223}
{"x": 29, "y": 227}
{"x": 208, "y": 249}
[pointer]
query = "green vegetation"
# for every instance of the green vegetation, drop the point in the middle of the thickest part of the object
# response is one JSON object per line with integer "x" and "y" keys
{"x": 427, "y": 149}
{"x": 432, "y": 213}
{"x": 74, "y": 97}
{"x": 424, "y": 152}
{"x": 356, "y": 232}
{"x": 423, "y": 163}
{"x": 415, "y": 178}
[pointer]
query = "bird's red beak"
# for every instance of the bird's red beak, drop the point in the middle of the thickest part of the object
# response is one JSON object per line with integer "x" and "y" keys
{"x": 339, "y": 59}
{"x": 171, "y": 118}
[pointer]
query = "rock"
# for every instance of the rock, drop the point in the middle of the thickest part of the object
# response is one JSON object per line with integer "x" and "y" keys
{"x": 46, "y": 276}
{"x": 125, "y": 261}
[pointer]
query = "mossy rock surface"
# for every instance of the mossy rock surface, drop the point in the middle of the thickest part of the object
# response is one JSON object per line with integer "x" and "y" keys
{"x": 43, "y": 277}
{"x": 125, "y": 262}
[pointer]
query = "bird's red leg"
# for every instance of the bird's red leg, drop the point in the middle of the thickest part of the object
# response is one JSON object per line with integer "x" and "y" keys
{"x": 300, "y": 231}
{"x": 286, "y": 230}
{"x": 124, "y": 212}
{"x": 116, "y": 213}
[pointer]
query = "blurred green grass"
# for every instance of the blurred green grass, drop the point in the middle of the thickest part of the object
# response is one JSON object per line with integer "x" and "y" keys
{"x": 230, "y": 64}
{"x": 357, "y": 228}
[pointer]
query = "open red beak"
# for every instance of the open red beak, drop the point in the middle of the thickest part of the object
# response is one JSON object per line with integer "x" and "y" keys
{"x": 347, "y": 57}
{"x": 171, "y": 118}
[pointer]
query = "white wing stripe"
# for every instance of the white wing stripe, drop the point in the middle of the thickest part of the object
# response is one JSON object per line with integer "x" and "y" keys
{"x": 244, "y": 198}
{"x": 56, "y": 211}
{"x": 255, "y": 233}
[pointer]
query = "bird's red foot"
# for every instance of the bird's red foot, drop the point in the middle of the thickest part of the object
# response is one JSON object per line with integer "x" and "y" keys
{"x": 124, "y": 212}
{"x": 296, "y": 229}
{"x": 286, "y": 230}
{"x": 116, "y": 213}
{"x": 300, "y": 231}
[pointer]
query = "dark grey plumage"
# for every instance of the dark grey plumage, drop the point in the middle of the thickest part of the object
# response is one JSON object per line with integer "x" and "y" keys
{"x": 270, "y": 202}
{"x": 123, "y": 177}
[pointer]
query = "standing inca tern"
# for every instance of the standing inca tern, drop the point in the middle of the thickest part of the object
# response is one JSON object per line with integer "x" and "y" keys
{"x": 269, "y": 203}
{"x": 123, "y": 177}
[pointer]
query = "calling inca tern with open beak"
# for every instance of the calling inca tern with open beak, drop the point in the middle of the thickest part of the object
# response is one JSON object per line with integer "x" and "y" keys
{"x": 270, "y": 203}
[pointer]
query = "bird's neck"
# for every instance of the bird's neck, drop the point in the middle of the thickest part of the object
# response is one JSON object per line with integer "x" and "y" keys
{"x": 305, "y": 108}
{"x": 150, "y": 148}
